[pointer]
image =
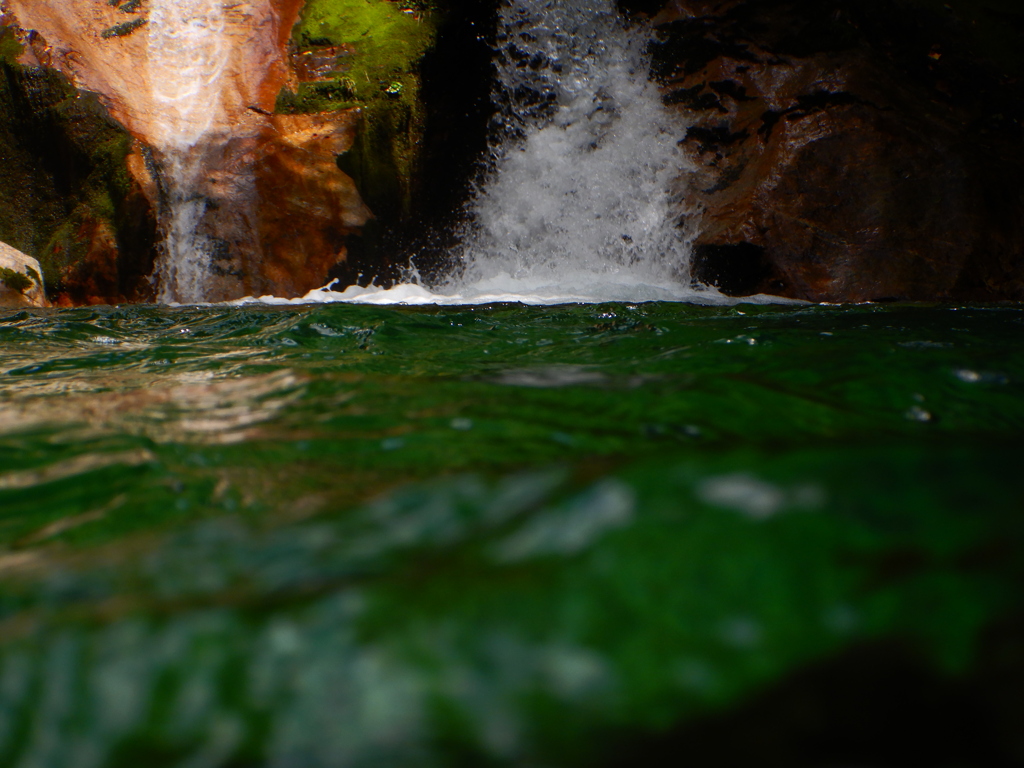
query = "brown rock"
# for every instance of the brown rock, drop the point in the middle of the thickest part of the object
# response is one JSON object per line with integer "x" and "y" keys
{"x": 278, "y": 210}
{"x": 315, "y": 206}
{"x": 130, "y": 60}
{"x": 258, "y": 195}
{"x": 832, "y": 171}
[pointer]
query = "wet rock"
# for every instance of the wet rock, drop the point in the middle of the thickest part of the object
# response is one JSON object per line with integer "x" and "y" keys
{"x": 270, "y": 207}
{"x": 21, "y": 280}
{"x": 132, "y": 63}
{"x": 848, "y": 151}
{"x": 65, "y": 198}
{"x": 278, "y": 210}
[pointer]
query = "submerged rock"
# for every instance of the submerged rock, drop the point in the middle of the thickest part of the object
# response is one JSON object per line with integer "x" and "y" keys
{"x": 850, "y": 151}
{"x": 21, "y": 280}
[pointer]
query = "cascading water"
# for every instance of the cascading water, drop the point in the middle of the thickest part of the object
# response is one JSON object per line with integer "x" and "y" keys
{"x": 187, "y": 58}
{"x": 583, "y": 195}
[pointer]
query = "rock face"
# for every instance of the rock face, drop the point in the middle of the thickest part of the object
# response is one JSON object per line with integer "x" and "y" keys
{"x": 248, "y": 202}
{"x": 21, "y": 281}
{"x": 170, "y": 71}
{"x": 65, "y": 197}
{"x": 847, "y": 151}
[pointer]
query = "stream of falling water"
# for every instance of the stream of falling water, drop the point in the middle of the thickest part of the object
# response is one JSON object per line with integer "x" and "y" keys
{"x": 584, "y": 191}
{"x": 187, "y": 57}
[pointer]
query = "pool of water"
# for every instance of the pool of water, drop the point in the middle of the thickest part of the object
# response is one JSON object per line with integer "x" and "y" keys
{"x": 357, "y": 535}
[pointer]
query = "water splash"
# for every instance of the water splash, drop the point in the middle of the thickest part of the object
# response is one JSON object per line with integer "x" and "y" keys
{"x": 583, "y": 201}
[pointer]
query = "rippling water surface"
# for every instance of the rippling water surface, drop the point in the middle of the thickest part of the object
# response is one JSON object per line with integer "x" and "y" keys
{"x": 356, "y": 535}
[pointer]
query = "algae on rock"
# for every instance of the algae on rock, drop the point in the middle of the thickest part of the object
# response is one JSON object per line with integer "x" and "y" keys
{"x": 379, "y": 45}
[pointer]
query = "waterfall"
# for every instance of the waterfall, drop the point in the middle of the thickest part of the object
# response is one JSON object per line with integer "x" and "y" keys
{"x": 184, "y": 264}
{"x": 187, "y": 56}
{"x": 583, "y": 194}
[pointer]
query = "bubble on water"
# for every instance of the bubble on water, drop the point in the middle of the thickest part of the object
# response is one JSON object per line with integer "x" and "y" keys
{"x": 695, "y": 674}
{"x": 284, "y": 639}
{"x": 969, "y": 376}
{"x": 808, "y": 496}
{"x": 919, "y": 414}
{"x": 841, "y": 619}
{"x": 392, "y": 444}
{"x": 462, "y": 424}
{"x": 551, "y": 376}
{"x": 573, "y": 672}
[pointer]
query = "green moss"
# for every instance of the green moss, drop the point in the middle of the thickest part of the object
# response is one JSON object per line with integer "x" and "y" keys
{"x": 384, "y": 42}
{"x": 10, "y": 47}
{"x": 15, "y": 280}
{"x": 389, "y": 38}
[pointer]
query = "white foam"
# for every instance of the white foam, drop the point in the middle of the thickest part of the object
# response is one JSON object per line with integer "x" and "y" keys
{"x": 418, "y": 295}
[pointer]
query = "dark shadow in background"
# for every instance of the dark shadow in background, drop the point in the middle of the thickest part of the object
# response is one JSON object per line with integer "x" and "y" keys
{"x": 457, "y": 79}
{"x": 877, "y": 706}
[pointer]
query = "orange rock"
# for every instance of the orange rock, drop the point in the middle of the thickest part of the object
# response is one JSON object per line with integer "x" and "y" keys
{"x": 139, "y": 75}
{"x": 196, "y": 82}
{"x": 310, "y": 207}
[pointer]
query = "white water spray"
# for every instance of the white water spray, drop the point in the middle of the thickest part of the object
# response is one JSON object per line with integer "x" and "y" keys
{"x": 584, "y": 196}
{"x": 187, "y": 55}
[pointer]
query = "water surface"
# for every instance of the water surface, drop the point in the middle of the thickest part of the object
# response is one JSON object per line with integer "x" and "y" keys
{"x": 358, "y": 535}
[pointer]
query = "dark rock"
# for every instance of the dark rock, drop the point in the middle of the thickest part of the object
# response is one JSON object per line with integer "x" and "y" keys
{"x": 65, "y": 195}
{"x": 849, "y": 151}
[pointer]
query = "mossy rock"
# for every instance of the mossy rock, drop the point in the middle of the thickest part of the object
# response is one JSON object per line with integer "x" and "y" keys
{"x": 63, "y": 177}
{"x": 382, "y": 44}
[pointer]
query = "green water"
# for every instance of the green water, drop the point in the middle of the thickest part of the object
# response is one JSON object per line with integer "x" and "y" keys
{"x": 351, "y": 536}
